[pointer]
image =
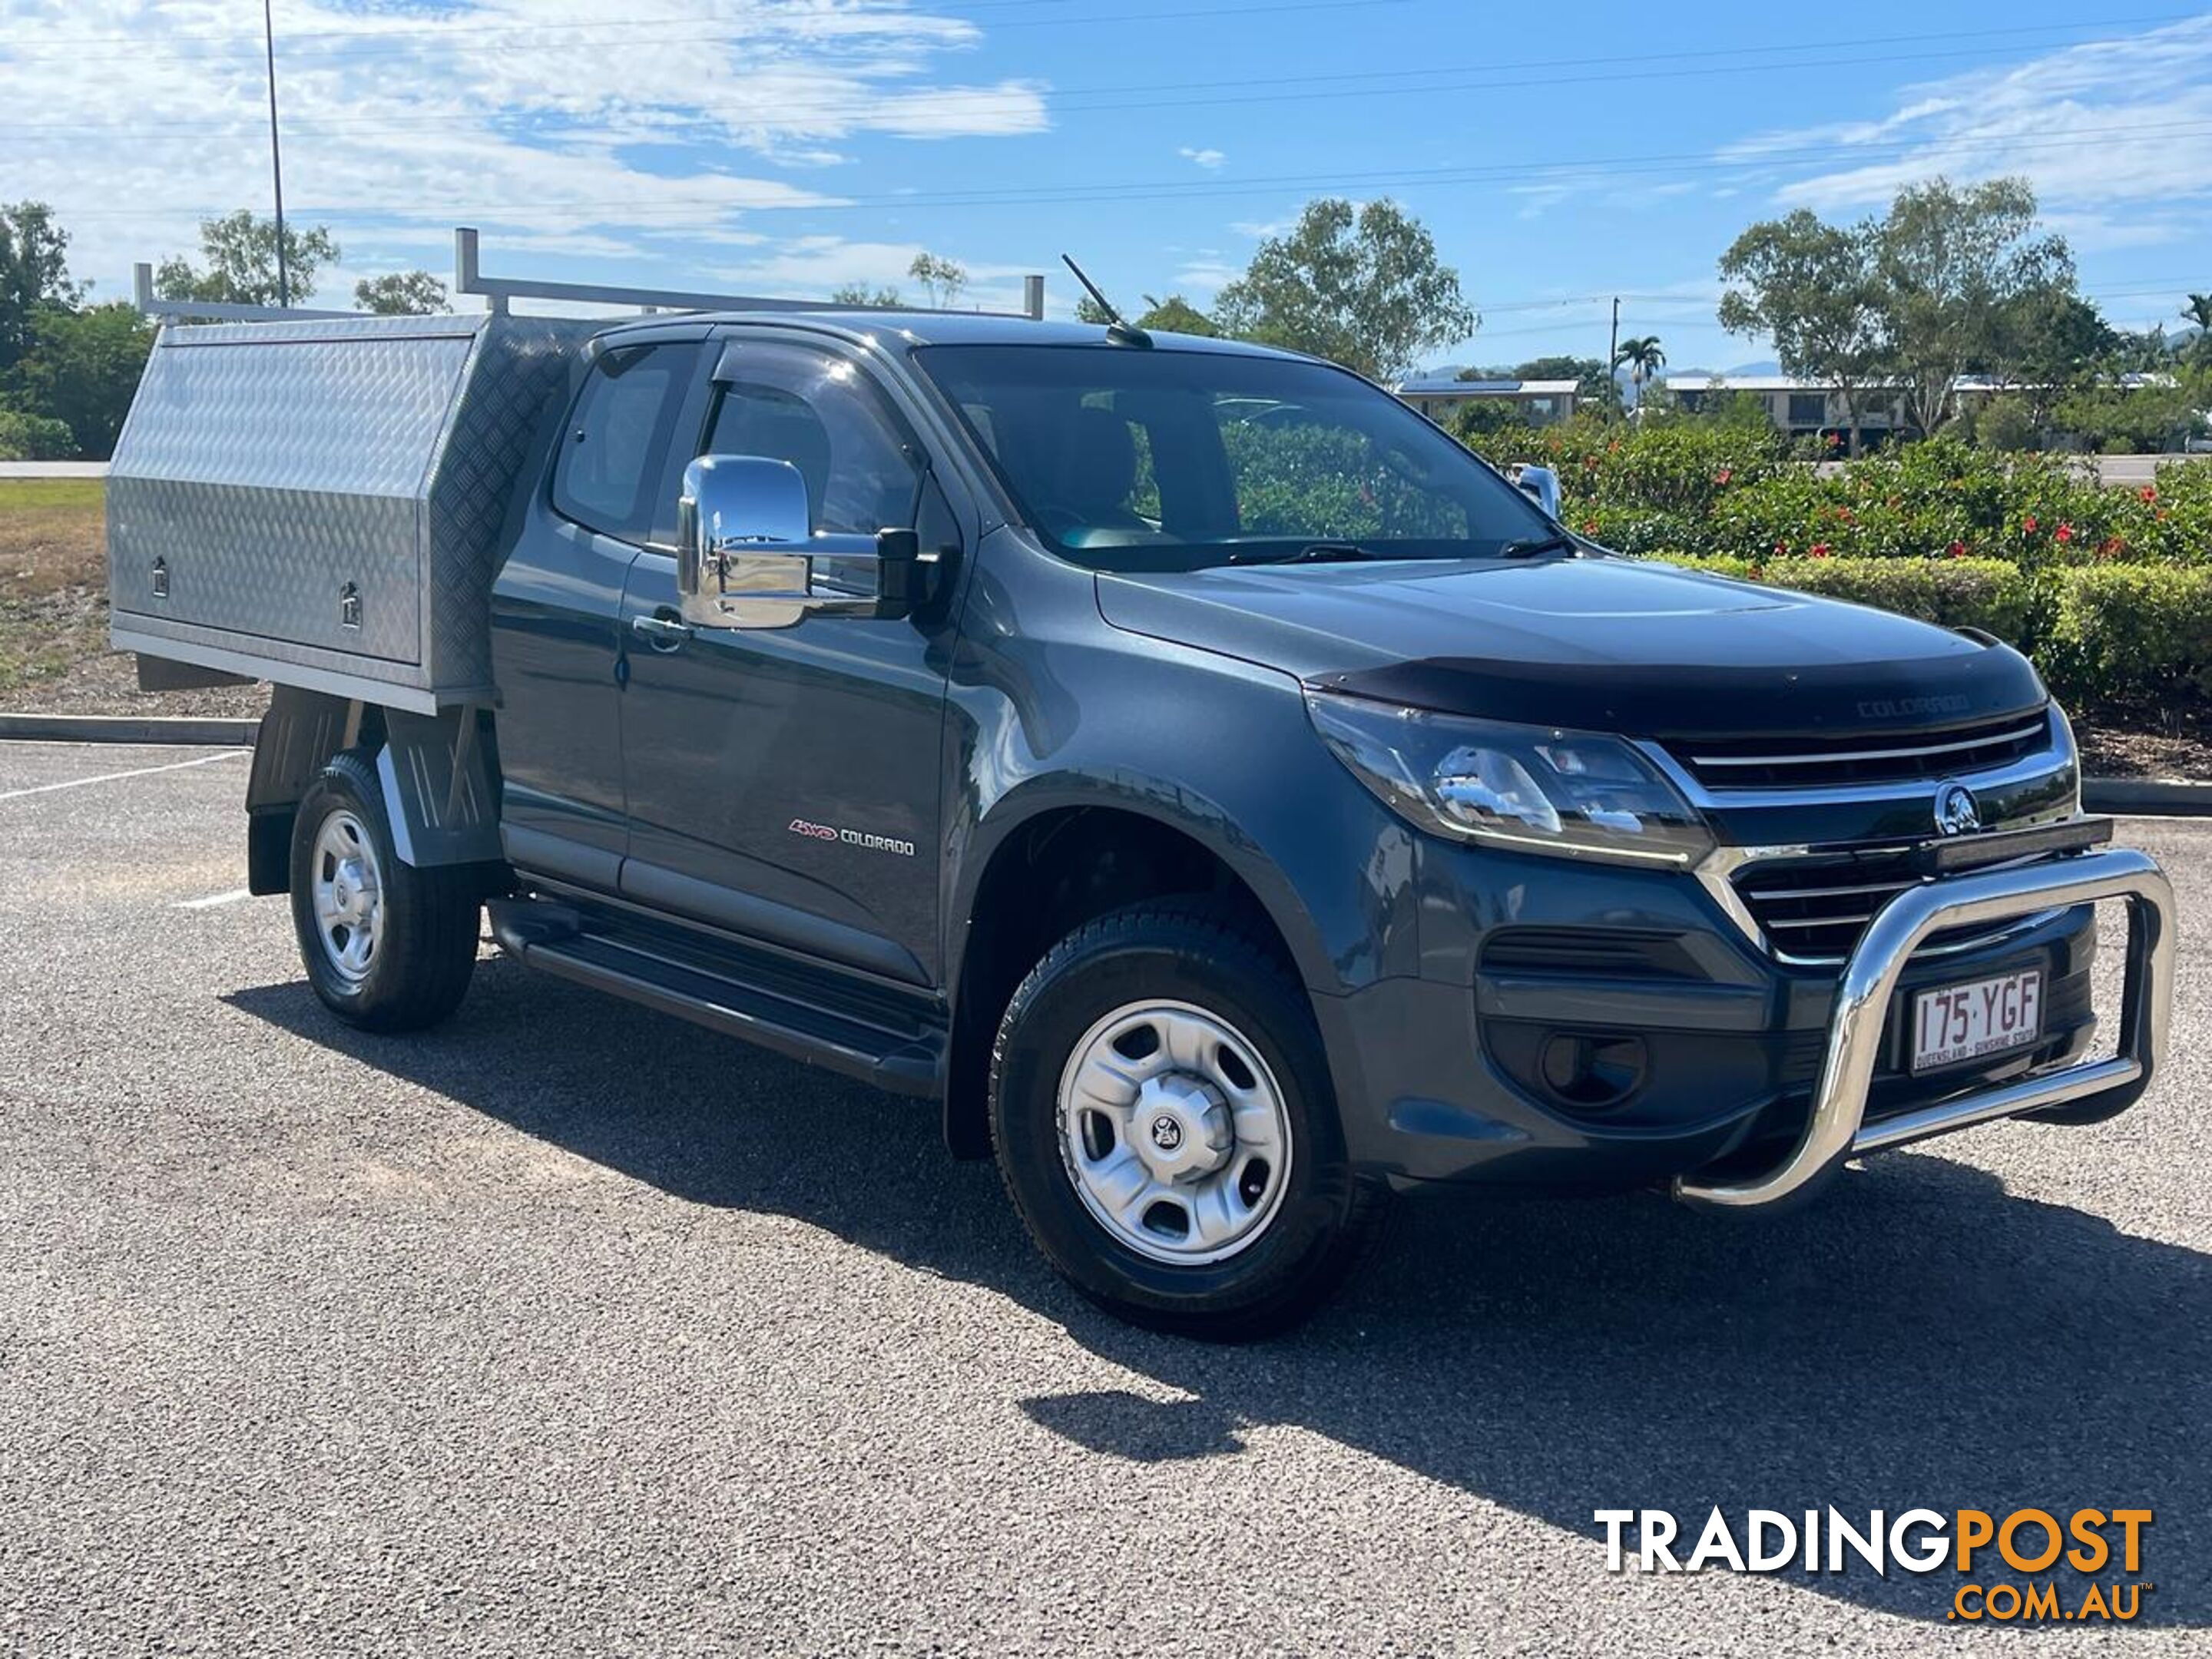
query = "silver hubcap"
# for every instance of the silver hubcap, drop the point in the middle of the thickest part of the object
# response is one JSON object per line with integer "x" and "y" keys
{"x": 348, "y": 894}
{"x": 1174, "y": 1133}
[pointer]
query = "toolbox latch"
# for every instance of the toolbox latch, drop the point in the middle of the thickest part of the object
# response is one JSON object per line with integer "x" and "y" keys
{"x": 160, "y": 574}
{"x": 349, "y": 606}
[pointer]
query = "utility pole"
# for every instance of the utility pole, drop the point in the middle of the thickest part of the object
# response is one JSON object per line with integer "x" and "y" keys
{"x": 1612, "y": 351}
{"x": 275, "y": 155}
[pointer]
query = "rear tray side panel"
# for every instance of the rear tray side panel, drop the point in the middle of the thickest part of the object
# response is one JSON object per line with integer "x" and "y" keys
{"x": 315, "y": 500}
{"x": 492, "y": 445}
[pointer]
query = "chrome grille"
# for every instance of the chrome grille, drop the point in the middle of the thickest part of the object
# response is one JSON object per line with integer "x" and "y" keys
{"x": 1814, "y": 909}
{"x": 1725, "y": 764}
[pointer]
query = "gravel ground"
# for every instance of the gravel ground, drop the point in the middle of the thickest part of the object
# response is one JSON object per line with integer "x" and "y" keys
{"x": 572, "y": 1328}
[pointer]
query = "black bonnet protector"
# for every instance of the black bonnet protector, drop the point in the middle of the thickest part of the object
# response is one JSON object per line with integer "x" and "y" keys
{"x": 1687, "y": 700}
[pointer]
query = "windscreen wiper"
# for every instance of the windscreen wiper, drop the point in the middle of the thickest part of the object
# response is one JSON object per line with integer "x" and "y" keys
{"x": 1311, "y": 553}
{"x": 1559, "y": 542}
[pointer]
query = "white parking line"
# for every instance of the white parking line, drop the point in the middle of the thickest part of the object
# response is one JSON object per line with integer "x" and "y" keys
{"x": 213, "y": 900}
{"x": 110, "y": 777}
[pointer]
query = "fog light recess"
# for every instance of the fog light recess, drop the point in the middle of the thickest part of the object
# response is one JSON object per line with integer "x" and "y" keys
{"x": 1592, "y": 1071}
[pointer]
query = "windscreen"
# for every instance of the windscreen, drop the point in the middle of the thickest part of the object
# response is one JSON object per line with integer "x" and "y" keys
{"x": 1124, "y": 459}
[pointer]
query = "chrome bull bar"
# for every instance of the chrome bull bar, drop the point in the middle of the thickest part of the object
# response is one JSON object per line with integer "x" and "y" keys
{"x": 1836, "y": 1129}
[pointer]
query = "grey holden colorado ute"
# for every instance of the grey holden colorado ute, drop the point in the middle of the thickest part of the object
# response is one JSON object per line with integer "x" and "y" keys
{"x": 1225, "y": 797}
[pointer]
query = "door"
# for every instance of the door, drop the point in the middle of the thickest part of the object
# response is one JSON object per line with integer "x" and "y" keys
{"x": 785, "y": 783}
{"x": 557, "y": 606}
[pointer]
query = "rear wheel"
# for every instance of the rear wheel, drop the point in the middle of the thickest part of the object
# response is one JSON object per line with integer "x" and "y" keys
{"x": 387, "y": 947}
{"x": 1163, "y": 1121}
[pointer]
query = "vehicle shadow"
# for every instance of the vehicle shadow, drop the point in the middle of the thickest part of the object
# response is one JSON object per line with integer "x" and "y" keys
{"x": 1918, "y": 1338}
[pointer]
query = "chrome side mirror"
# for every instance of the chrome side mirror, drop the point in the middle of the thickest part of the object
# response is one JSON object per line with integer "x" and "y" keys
{"x": 746, "y": 556}
{"x": 1540, "y": 484}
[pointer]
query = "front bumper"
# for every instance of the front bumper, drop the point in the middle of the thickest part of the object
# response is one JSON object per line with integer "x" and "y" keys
{"x": 1836, "y": 1127}
{"x": 1763, "y": 1075}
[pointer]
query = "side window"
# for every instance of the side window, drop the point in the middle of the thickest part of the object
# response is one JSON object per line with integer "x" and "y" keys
{"x": 615, "y": 453}
{"x": 820, "y": 414}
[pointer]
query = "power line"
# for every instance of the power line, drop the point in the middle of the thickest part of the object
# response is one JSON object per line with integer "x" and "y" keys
{"x": 1294, "y": 89}
{"x": 1106, "y": 193}
{"x": 1693, "y": 63}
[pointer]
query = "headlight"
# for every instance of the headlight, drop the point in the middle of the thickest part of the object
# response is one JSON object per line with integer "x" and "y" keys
{"x": 1533, "y": 789}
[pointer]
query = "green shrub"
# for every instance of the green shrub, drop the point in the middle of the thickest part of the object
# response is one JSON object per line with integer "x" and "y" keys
{"x": 1697, "y": 488}
{"x": 1990, "y": 594}
{"x": 34, "y": 438}
{"x": 1985, "y": 594}
{"x": 2131, "y": 633}
{"x": 1718, "y": 564}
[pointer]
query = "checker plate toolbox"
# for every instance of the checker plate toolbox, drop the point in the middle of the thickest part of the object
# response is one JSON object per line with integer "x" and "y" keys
{"x": 319, "y": 502}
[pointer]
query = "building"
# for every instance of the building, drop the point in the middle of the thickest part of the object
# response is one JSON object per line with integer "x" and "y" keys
{"x": 1538, "y": 403}
{"x": 1808, "y": 409}
{"x": 1802, "y": 408}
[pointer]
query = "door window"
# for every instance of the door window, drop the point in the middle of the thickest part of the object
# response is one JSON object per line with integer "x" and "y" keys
{"x": 616, "y": 451}
{"x": 819, "y": 413}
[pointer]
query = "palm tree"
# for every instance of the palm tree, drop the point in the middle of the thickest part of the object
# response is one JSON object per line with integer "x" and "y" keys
{"x": 1644, "y": 360}
{"x": 2199, "y": 311}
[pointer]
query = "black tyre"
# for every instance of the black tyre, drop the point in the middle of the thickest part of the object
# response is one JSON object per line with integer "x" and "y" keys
{"x": 387, "y": 947}
{"x": 1163, "y": 1118}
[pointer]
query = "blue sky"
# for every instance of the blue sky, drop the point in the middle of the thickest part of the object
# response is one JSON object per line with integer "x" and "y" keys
{"x": 1559, "y": 156}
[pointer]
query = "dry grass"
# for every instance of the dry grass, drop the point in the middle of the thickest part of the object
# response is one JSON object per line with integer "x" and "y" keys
{"x": 53, "y": 578}
{"x": 53, "y": 612}
{"x": 53, "y": 535}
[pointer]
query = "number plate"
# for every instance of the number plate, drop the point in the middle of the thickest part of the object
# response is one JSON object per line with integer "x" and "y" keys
{"x": 1967, "y": 1022}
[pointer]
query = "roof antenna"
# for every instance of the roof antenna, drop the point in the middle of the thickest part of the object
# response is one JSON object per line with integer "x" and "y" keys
{"x": 1121, "y": 332}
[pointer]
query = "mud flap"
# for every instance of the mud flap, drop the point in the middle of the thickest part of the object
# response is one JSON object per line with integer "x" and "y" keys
{"x": 438, "y": 776}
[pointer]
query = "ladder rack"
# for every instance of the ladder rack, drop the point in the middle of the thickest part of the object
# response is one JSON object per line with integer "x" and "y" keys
{"x": 497, "y": 293}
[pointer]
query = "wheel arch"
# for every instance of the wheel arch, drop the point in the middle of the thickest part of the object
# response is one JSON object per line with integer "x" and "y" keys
{"x": 1057, "y": 853}
{"x": 440, "y": 775}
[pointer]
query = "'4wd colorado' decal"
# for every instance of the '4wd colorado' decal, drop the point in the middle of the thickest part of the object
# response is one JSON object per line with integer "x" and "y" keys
{"x": 852, "y": 837}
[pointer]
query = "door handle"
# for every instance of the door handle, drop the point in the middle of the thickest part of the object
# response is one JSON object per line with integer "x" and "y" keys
{"x": 661, "y": 633}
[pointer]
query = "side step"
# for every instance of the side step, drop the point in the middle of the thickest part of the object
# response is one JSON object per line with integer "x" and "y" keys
{"x": 854, "y": 1028}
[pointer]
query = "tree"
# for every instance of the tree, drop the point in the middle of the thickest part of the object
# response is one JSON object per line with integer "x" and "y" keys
{"x": 81, "y": 368}
{"x": 240, "y": 251}
{"x": 859, "y": 294}
{"x": 402, "y": 293}
{"x": 1956, "y": 267}
{"x": 2142, "y": 353}
{"x": 1484, "y": 417}
{"x": 1644, "y": 358}
{"x": 34, "y": 273}
{"x": 2199, "y": 311}
{"x": 1815, "y": 290}
{"x": 2113, "y": 416}
{"x": 2047, "y": 341}
{"x": 1362, "y": 286}
{"x": 34, "y": 438}
{"x": 941, "y": 279}
{"x": 1173, "y": 315}
{"x": 1593, "y": 383}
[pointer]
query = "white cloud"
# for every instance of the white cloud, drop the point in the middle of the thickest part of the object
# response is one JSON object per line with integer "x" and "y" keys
{"x": 1536, "y": 200}
{"x": 1211, "y": 160}
{"x": 1205, "y": 272}
{"x": 2116, "y": 136}
{"x": 548, "y": 123}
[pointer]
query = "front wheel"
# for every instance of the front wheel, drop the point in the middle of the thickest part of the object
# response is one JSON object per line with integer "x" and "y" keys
{"x": 1162, "y": 1113}
{"x": 387, "y": 947}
